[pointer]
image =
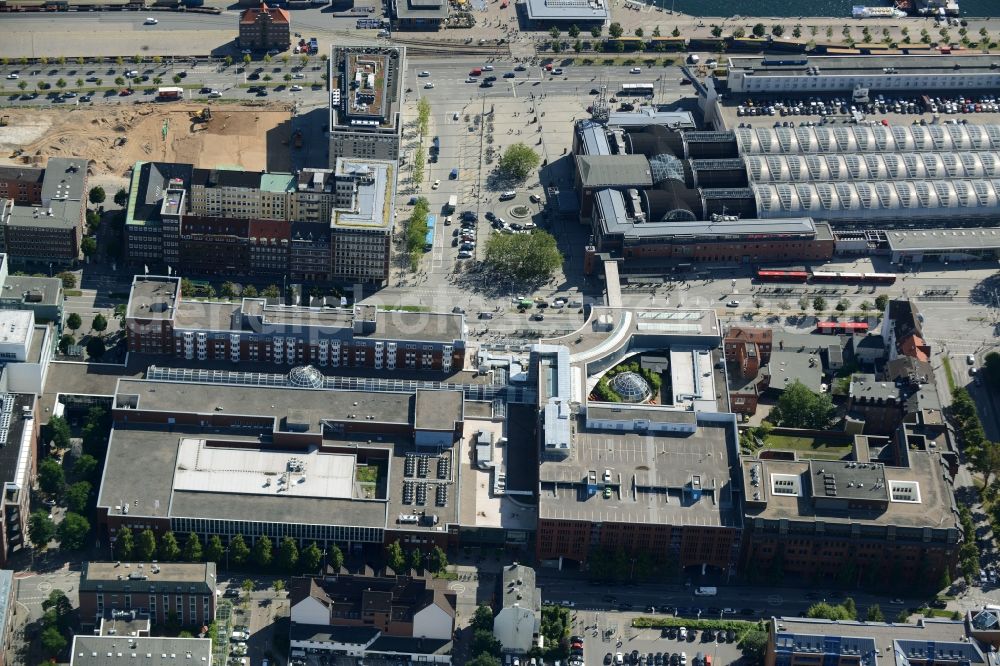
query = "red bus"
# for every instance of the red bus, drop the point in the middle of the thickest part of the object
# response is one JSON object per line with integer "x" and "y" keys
{"x": 841, "y": 327}
{"x": 880, "y": 278}
{"x": 772, "y": 275}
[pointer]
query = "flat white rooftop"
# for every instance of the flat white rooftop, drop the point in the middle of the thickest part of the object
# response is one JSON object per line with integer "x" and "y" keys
{"x": 218, "y": 469}
{"x": 15, "y": 326}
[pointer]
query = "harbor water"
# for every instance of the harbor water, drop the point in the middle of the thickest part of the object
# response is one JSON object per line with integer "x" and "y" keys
{"x": 796, "y": 8}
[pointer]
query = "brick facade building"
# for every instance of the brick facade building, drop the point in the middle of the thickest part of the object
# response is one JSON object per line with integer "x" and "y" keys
{"x": 264, "y": 28}
{"x": 160, "y": 322}
{"x": 166, "y": 591}
{"x": 22, "y": 184}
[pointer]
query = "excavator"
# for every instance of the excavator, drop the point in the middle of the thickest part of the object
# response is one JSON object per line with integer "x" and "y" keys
{"x": 202, "y": 116}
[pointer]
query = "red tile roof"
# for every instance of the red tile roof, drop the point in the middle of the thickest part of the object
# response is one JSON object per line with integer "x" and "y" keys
{"x": 277, "y": 15}
{"x": 916, "y": 347}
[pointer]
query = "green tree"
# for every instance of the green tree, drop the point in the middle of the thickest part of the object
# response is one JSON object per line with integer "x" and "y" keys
{"x": 121, "y": 197}
{"x": 574, "y": 31}
{"x": 57, "y": 431}
{"x": 739, "y": 33}
{"x": 52, "y": 641}
{"x": 286, "y": 78}
{"x": 73, "y": 321}
{"x": 334, "y": 557}
{"x": 827, "y": 611}
{"x": 759, "y": 30}
{"x": 61, "y": 83}
{"x": 676, "y": 32}
{"x": 656, "y": 31}
{"x": 97, "y": 195}
{"x": 754, "y": 646}
{"x": 482, "y": 619}
{"x": 96, "y": 429}
{"x": 22, "y": 85}
{"x": 88, "y": 246}
{"x": 595, "y": 31}
{"x": 518, "y": 161}
{"x": 991, "y": 368}
{"x": 79, "y": 83}
{"x": 214, "y": 552}
{"x": 796, "y": 32}
{"x": 176, "y": 79}
{"x": 249, "y": 291}
{"x": 615, "y": 30}
{"x": 865, "y": 306}
{"x": 72, "y": 531}
{"x": 263, "y": 552}
{"x": 85, "y": 467}
{"x": 842, "y": 305}
{"x": 484, "y": 642}
{"x": 238, "y": 550}
{"x": 51, "y": 477}
{"x": 78, "y": 496}
{"x": 639, "y": 32}
{"x": 986, "y": 461}
{"x": 875, "y": 614}
{"x": 145, "y": 549}
{"x": 121, "y": 314}
{"x": 483, "y": 660}
{"x": 278, "y": 585}
{"x": 192, "y": 548}
{"x": 851, "y": 608}
{"x": 423, "y": 114}
{"x": 882, "y": 302}
{"x": 799, "y": 407}
{"x": 229, "y": 61}
{"x": 95, "y": 348}
{"x": 124, "y": 543}
{"x": 228, "y": 289}
{"x": 395, "y": 557}
{"x": 310, "y": 558}
{"x": 819, "y": 304}
{"x": 437, "y": 560}
{"x": 288, "y": 554}
{"x": 169, "y": 549}
{"x": 416, "y": 559}
{"x": 41, "y": 529}
{"x": 100, "y": 323}
{"x": 246, "y": 58}
{"x": 554, "y": 31}
{"x": 271, "y": 291}
{"x": 68, "y": 279}
{"x": 522, "y": 258}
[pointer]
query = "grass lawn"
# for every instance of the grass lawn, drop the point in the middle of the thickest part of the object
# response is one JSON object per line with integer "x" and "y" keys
{"x": 808, "y": 447}
{"x": 947, "y": 369}
{"x": 366, "y": 473}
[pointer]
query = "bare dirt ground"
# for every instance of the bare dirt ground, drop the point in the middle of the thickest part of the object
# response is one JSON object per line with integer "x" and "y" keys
{"x": 252, "y": 138}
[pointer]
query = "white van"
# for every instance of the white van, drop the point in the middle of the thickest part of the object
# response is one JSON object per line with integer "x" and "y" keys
{"x": 214, "y": 93}
{"x": 150, "y": 21}
{"x": 508, "y": 195}
{"x": 637, "y": 70}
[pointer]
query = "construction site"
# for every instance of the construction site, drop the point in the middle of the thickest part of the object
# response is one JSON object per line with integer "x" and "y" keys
{"x": 114, "y": 138}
